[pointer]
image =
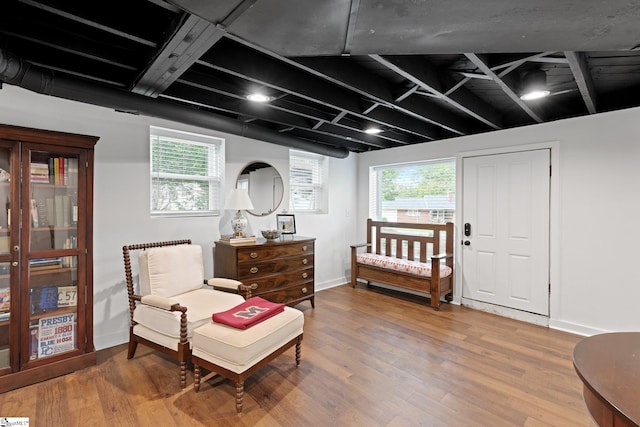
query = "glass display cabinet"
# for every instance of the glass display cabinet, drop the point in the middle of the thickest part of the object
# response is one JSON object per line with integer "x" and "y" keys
{"x": 46, "y": 291}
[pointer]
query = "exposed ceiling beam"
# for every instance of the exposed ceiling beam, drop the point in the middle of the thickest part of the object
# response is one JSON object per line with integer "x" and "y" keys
{"x": 351, "y": 26}
{"x": 580, "y": 70}
{"x": 88, "y": 22}
{"x": 267, "y": 71}
{"x": 426, "y": 76}
{"x": 505, "y": 88}
{"x": 368, "y": 85}
{"x": 190, "y": 41}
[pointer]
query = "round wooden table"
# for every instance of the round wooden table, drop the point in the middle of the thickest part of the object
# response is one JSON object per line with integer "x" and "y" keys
{"x": 609, "y": 367}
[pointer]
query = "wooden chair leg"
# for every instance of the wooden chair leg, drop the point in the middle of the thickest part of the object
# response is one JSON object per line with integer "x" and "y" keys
{"x": 298, "y": 346}
{"x": 239, "y": 396}
{"x": 183, "y": 374}
{"x": 133, "y": 345}
{"x": 196, "y": 377}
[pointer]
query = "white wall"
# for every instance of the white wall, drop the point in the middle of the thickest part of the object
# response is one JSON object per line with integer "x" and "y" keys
{"x": 597, "y": 287}
{"x": 121, "y": 204}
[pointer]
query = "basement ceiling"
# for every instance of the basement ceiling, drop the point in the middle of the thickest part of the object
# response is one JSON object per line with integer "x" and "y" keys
{"x": 419, "y": 70}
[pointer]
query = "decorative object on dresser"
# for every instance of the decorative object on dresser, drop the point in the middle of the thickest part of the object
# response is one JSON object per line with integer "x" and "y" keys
{"x": 46, "y": 255}
{"x": 407, "y": 255}
{"x": 279, "y": 271}
{"x": 238, "y": 200}
{"x": 286, "y": 223}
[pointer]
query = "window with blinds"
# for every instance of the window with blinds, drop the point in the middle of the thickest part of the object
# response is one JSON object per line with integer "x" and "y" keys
{"x": 419, "y": 192}
{"x": 307, "y": 182}
{"x": 187, "y": 172}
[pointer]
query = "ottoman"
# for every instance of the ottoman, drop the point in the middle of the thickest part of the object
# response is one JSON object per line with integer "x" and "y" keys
{"x": 238, "y": 353}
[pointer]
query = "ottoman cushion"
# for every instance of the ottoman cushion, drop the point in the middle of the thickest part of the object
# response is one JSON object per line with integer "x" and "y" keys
{"x": 239, "y": 349}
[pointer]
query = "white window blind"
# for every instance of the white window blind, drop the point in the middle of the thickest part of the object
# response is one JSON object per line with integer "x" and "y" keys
{"x": 307, "y": 182}
{"x": 420, "y": 192}
{"x": 187, "y": 172}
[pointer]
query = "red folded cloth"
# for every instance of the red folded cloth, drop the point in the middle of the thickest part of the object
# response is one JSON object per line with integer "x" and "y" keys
{"x": 249, "y": 313}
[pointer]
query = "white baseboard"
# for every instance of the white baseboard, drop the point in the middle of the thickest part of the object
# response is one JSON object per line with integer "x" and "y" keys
{"x": 575, "y": 328}
{"x": 524, "y": 316}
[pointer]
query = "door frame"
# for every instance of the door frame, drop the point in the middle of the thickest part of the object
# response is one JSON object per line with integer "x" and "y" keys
{"x": 554, "y": 232}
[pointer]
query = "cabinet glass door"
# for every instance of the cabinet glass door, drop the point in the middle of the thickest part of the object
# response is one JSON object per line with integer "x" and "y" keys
{"x": 5, "y": 269}
{"x": 53, "y": 255}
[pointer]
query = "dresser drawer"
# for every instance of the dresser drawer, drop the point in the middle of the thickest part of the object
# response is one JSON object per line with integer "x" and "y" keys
{"x": 269, "y": 283}
{"x": 289, "y": 295}
{"x": 249, "y": 270}
{"x": 263, "y": 253}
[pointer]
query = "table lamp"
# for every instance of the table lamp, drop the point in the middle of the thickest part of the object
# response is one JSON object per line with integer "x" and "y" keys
{"x": 238, "y": 200}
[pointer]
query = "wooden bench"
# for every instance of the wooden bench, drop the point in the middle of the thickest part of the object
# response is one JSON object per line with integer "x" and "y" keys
{"x": 407, "y": 255}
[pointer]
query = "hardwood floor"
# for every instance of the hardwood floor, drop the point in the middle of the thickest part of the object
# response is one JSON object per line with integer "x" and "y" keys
{"x": 368, "y": 359}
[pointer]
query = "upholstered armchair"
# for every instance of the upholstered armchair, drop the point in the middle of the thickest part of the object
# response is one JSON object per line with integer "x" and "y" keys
{"x": 172, "y": 299}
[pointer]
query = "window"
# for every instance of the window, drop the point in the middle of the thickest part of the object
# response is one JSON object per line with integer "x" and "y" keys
{"x": 307, "y": 182}
{"x": 413, "y": 192}
{"x": 187, "y": 172}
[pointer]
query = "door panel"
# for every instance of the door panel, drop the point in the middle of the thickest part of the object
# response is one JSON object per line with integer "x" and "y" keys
{"x": 506, "y": 202}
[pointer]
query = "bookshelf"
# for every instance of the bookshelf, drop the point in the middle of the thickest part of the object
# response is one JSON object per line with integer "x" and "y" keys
{"x": 46, "y": 271}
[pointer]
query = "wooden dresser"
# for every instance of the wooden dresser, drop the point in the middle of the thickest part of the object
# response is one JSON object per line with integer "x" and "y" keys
{"x": 278, "y": 271}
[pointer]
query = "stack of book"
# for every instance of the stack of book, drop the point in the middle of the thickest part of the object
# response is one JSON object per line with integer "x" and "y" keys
{"x": 39, "y": 172}
{"x": 239, "y": 240}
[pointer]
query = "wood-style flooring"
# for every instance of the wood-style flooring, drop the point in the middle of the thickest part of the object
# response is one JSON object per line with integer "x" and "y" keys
{"x": 369, "y": 358}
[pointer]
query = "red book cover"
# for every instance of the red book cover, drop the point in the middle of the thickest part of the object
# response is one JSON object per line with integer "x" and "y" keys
{"x": 249, "y": 313}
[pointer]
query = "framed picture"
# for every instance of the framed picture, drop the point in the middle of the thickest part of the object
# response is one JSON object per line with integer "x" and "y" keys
{"x": 286, "y": 223}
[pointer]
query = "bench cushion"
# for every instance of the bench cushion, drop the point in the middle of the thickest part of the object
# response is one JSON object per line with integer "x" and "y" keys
{"x": 239, "y": 349}
{"x": 401, "y": 265}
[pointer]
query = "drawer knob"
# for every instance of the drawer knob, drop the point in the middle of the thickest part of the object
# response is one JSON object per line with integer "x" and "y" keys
{"x": 304, "y": 275}
{"x": 305, "y": 261}
{"x": 304, "y": 248}
{"x": 253, "y": 255}
{"x": 304, "y": 290}
{"x": 253, "y": 286}
{"x": 253, "y": 270}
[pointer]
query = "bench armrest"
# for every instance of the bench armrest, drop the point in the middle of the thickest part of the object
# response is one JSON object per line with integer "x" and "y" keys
{"x": 442, "y": 256}
{"x": 160, "y": 302}
{"x": 360, "y": 245}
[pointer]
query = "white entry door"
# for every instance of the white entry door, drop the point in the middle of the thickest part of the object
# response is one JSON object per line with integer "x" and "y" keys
{"x": 505, "y": 232}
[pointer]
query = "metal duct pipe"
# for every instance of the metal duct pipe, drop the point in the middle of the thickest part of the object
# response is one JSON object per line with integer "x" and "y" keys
{"x": 16, "y": 71}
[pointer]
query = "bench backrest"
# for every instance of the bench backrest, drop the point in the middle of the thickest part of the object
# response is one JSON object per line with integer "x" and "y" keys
{"x": 410, "y": 241}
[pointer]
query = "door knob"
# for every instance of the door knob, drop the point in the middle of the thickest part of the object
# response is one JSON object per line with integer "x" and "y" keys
{"x": 466, "y": 243}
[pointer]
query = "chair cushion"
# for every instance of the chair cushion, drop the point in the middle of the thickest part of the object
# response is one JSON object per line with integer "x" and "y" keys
{"x": 239, "y": 349}
{"x": 200, "y": 304}
{"x": 171, "y": 270}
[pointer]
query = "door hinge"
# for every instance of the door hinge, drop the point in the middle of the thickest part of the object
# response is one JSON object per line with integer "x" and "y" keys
{"x": 550, "y": 170}
{"x": 549, "y": 288}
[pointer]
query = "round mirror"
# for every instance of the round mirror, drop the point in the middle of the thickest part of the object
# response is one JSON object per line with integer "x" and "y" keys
{"x": 264, "y": 184}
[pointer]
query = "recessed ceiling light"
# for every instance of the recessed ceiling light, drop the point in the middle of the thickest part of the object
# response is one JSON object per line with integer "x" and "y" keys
{"x": 534, "y": 85}
{"x": 258, "y": 97}
{"x": 372, "y": 130}
{"x": 536, "y": 94}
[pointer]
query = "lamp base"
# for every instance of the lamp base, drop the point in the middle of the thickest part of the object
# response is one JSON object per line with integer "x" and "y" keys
{"x": 239, "y": 224}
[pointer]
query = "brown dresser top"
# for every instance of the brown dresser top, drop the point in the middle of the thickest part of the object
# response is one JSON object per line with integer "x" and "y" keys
{"x": 285, "y": 240}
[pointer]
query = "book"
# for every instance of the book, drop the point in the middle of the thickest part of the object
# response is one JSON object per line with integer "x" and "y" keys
{"x": 56, "y": 334}
{"x": 238, "y": 241}
{"x": 33, "y": 341}
{"x": 44, "y": 299}
{"x": 5, "y": 299}
{"x": 34, "y": 214}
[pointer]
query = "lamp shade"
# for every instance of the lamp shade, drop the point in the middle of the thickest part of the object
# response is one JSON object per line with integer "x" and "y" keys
{"x": 238, "y": 199}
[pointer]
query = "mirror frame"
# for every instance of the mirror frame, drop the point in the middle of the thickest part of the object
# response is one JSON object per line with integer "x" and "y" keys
{"x": 255, "y": 212}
